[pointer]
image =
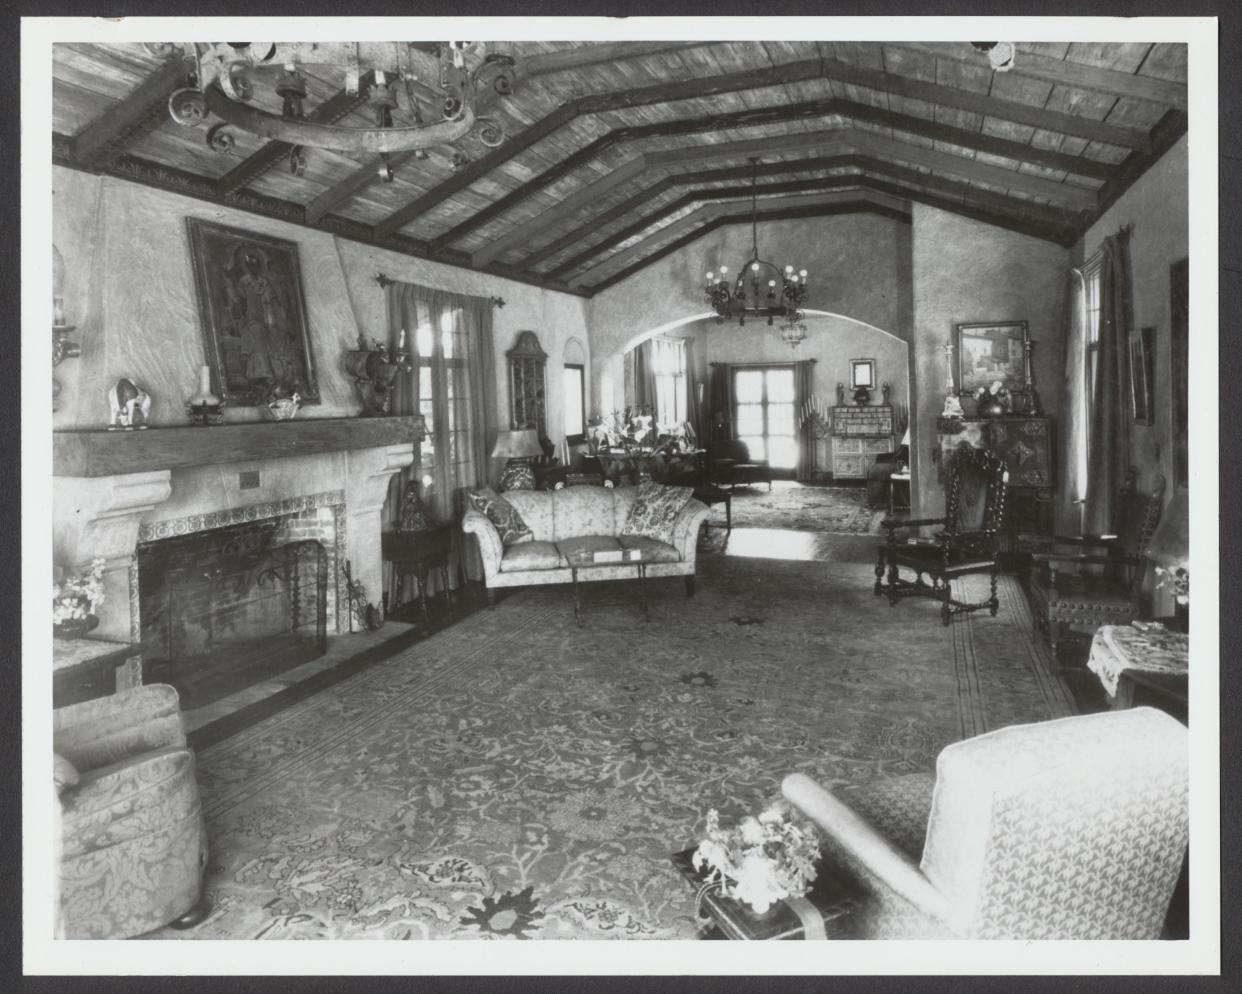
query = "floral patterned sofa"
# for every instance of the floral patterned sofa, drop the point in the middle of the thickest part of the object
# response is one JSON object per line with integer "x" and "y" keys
{"x": 581, "y": 519}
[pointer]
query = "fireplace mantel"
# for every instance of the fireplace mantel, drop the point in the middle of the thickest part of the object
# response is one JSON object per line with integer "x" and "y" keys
{"x": 98, "y": 452}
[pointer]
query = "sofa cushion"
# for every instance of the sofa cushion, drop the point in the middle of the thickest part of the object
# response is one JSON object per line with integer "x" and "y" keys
{"x": 535, "y": 507}
{"x": 64, "y": 774}
{"x": 584, "y": 546}
{"x": 653, "y": 550}
{"x": 583, "y": 511}
{"x": 500, "y": 512}
{"x": 655, "y": 510}
{"x": 531, "y": 555}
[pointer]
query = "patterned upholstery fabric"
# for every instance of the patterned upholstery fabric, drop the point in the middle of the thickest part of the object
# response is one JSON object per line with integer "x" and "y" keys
{"x": 133, "y": 844}
{"x": 1066, "y": 829}
{"x": 500, "y": 512}
{"x": 517, "y": 476}
{"x": 531, "y": 555}
{"x": 653, "y": 550}
{"x": 561, "y": 516}
{"x": 655, "y": 511}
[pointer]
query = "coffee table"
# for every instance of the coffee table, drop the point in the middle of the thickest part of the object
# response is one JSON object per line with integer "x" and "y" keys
{"x": 587, "y": 562}
{"x": 831, "y": 898}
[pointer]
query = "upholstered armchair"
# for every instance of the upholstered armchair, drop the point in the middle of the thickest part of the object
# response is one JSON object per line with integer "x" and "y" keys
{"x": 1093, "y": 580}
{"x": 133, "y": 846}
{"x": 733, "y": 465}
{"x": 1067, "y": 829}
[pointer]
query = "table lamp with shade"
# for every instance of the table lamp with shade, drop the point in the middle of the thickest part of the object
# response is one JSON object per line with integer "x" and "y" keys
{"x": 518, "y": 448}
{"x": 1169, "y": 549}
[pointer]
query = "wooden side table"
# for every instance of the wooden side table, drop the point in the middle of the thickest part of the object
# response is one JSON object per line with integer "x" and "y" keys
{"x": 1151, "y": 663}
{"x": 419, "y": 553}
{"x": 86, "y": 668}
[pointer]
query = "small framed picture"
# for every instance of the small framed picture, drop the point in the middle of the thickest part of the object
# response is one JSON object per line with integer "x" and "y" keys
{"x": 991, "y": 351}
{"x": 862, "y": 373}
{"x": 1141, "y": 373}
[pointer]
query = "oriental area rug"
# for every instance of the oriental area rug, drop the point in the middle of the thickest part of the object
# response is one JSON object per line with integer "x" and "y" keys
{"x": 520, "y": 777}
{"x": 802, "y": 507}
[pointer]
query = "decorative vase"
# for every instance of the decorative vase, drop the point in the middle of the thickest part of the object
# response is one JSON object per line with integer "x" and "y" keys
{"x": 284, "y": 408}
{"x": 74, "y": 628}
{"x": 990, "y": 407}
{"x": 204, "y": 397}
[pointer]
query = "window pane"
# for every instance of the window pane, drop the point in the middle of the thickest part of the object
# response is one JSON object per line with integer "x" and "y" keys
{"x": 782, "y": 452}
{"x": 781, "y": 419}
{"x": 424, "y": 383}
{"x": 755, "y": 445}
{"x": 748, "y": 386}
{"x": 750, "y": 419}
{"x": 422, "y": 340}
{"x": 572, "y": 377}
{"x": 781, "y": 385}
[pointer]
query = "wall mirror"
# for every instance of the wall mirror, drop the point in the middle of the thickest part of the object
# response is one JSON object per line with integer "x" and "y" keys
{"x": 527, "y": 384}
{"x": 862, "y": 373}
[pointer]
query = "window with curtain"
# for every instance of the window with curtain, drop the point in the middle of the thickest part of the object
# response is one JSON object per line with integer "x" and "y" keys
{"x": 1089, "y": 309}
{"x": 573, "y": 379}
{"x": 443, "y": 400}
{"x": 670, "y": 378}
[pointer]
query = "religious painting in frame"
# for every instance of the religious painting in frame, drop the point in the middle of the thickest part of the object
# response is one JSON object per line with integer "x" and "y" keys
{"x": 253, "y": 314}
{"x": 1141, "y": 374}
{"x": 991, "y": 351}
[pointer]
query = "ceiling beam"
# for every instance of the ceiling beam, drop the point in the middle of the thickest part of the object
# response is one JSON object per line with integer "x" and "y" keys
{"x": 1064, "y": 72}
{"x": 816, "y": 185}
{"x": 255, "y": 165}
{"x": 604, "y": 53}
{"x": 979, "y": 103}
{"x": 770, "y": 145}
{"x": 826, "y": 210}
{"x": 129, "y": 119}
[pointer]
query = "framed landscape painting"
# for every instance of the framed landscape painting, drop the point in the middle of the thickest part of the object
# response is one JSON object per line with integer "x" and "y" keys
{"x": 991, "y": 351}
{"x": 253, "y": 315}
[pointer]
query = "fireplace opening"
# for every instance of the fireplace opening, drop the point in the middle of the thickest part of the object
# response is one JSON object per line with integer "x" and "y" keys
{"x": 227, "y": 608}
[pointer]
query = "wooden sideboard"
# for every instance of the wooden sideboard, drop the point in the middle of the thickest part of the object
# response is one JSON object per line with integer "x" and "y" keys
{"x": 859, "y": 434}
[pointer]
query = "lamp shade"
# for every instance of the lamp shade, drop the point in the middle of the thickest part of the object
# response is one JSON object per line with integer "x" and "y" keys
{"x": 1170, "y": 545}
{"x": 517, "y": 444}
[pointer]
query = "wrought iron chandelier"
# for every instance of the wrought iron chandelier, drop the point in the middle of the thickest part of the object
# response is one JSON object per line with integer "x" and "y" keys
{"x": 761, "y": 290}
{"x": 233, "y": 80}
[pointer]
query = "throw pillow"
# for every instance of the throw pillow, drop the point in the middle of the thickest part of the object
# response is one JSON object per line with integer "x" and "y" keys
{"x": 517, "y": 476}
{"x": 502, "y": 514}
{"x": 655, "y": 509}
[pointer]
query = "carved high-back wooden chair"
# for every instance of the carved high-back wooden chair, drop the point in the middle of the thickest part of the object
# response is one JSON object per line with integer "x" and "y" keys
{"x": 969, "y": 542}
{"x": 1094, "y": 580}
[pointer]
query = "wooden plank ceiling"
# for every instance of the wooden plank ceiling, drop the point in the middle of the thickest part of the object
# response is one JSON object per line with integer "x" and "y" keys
{"x": 617, "y": 153}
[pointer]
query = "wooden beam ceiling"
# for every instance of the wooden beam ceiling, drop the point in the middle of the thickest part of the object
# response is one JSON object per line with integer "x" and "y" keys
{"x": 128, "y": 120}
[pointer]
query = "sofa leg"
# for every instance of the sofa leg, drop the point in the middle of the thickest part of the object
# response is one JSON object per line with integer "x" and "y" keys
{"x": 491, "y": 599}
{"x": 689, "y": 586}
{"x": 194, "y": 917}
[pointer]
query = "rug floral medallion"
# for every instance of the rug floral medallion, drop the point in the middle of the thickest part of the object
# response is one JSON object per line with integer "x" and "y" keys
{"x": 802, "y": 507}
{"x": 520, "y": 777}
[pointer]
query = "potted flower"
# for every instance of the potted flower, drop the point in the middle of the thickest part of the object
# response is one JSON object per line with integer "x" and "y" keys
{"x": 74, "y": 601}
{"x": 762, "y": 859}
{"x": 992, "y": 401}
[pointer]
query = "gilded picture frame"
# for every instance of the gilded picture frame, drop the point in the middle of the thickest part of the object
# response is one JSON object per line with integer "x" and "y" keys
{"x": 990, "y": 351}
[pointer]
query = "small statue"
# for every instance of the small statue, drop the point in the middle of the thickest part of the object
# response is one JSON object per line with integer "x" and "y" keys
{"x": 841, "y": 394}
{"x": 130, "y": 404}
{"x": 885, "y": 389}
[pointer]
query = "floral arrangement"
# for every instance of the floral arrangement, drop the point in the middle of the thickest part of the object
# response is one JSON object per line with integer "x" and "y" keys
{"x": 1176, "y": 580}
{"x": 762, "y": 859}
{"x": 623, "y": 430}
{"x": 75, "y": 599}
{"x": 994, "y": 393}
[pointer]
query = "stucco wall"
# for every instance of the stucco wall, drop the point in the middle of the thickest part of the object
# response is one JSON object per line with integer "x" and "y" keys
{"x": 130, "y": 290}
{"x": 1158, "y": 208}
{"x": 858, "y": 264}
{"x": 967, "y": 271}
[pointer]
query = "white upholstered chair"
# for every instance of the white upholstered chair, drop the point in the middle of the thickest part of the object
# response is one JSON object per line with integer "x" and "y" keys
{"x": 1068, "y": 829}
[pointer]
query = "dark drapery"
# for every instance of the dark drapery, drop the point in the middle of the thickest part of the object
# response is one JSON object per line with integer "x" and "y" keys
{"x": 1108, "y": 441}
{"x": 645, "y": 376}
{"x": 804, "y": 389}
{"x": 450, "y": 335}
{"x": 694, "y": 408}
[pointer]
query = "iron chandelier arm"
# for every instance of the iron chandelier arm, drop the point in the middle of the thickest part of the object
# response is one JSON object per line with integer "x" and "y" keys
{"x": 335, "y": 137}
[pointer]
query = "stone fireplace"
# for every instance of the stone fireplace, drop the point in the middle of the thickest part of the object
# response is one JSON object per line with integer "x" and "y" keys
{"x": 320, "y": 480}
